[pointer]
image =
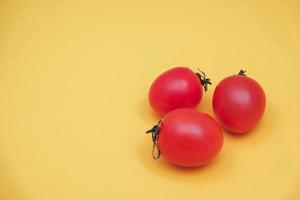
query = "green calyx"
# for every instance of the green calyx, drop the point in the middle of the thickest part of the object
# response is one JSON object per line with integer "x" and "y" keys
{"x": 203, "y": 79}
{"x": 155, "y": 131}
{"x": 242, "y": 73}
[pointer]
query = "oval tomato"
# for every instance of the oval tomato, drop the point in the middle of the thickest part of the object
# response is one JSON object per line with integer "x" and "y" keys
{"x": 239, "y": 103}
{"x": 187, "y": 138}
{"x": 177, "y": 88}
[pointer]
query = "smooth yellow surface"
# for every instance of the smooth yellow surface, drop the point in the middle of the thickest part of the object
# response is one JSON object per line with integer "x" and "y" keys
{"x": 74, "y": 77}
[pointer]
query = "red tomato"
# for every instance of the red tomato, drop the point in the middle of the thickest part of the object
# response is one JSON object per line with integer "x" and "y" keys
{"x": 177, "y": 88}
{"x": 187, "y": 138}
{"x": 239, "y": 103}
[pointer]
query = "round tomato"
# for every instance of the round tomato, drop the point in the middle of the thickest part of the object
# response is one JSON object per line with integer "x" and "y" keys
{"x": 187, "y": 138}
{"x": 239, "y": 103}
{"x": 177, "y": 88}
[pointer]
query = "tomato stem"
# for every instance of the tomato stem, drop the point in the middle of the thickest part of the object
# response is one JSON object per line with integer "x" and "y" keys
{"x": 242, "y": 73}
{"x": 203, "y": 79}
{"x": 155, "y": 131}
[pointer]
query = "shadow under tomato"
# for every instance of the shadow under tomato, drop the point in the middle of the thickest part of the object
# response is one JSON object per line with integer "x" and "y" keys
{"x": 205, "y": 104}
{"x": 263, "y": 130}
{"x": 217, "y": 169}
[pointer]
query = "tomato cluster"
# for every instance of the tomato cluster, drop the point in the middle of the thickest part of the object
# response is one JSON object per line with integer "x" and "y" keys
{"x": 189, "y": 138}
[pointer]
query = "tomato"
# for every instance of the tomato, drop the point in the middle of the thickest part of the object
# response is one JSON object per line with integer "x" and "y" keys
{"x": 177, "y": 88}
{"x": 239, "y": 103}
{"x": 186, "y": 137}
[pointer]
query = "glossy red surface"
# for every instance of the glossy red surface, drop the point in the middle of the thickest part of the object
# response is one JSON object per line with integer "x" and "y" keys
{"x": 189, "y": 138}
{"x": 239, "y": 103}
{"x": 176, "y": 88}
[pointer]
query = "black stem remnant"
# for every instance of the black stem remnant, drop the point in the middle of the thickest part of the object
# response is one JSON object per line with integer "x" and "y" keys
{"x": 242, "y": 73}
{"x": 155, "y": 131}
{"x": 204, "y": 80}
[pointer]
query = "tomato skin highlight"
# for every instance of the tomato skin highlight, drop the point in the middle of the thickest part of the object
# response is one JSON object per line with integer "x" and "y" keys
{"x": 189, "y": 138}
{"x": 239, "y": 103}
{"x": 176, "y": 88}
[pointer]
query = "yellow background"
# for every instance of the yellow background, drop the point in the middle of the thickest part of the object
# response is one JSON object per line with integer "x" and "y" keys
{"x": 74, "y": 77}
